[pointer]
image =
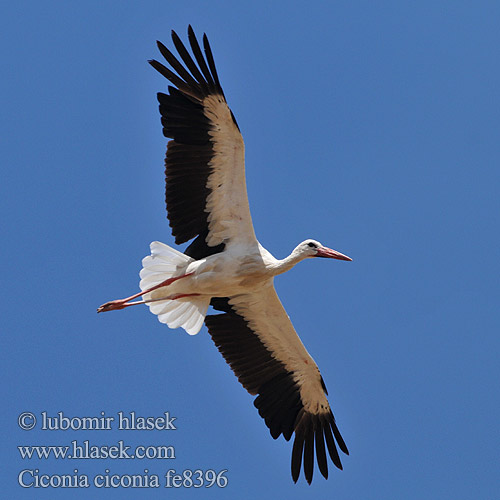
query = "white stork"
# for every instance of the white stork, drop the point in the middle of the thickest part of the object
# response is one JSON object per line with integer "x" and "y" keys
{"x": 226, "y": 267}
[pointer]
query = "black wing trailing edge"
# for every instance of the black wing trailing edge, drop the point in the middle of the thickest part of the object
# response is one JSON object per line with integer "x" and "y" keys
{"x": 279, "y": 402}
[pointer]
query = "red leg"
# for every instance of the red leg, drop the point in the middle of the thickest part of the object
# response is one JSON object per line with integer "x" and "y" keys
{"x": 115, "y": 305}
{"x": 182, "y": 295}
{"x": 170, "y": 297}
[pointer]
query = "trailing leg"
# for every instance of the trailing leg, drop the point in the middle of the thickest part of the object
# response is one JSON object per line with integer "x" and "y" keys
{"x": 115, "y": 305}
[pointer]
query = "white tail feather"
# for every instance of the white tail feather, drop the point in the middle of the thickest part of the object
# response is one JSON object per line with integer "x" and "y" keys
{"x": 162, "y": 264}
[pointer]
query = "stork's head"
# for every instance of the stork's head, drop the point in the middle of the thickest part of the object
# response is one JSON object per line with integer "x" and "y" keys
{"x": 313, "y": 248}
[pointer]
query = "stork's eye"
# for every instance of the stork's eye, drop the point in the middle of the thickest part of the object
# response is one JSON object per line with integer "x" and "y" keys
{"x": 312, "y": 245}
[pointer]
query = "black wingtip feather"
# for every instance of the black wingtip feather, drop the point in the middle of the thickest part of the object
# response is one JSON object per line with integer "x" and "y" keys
{"x": 309, "y": 454}
{"x": 195, "y": 47}
{"x": 339, "y": 439}
{"x": 179, "y": 68}
{"x": 332, "y": 449}
{"x": 173, "y": 78}
{"x": 188, "y": 61}
{"x": 211, "y": 63}
{"x": 320, "y": 451}
{"x": 298, "y": 446}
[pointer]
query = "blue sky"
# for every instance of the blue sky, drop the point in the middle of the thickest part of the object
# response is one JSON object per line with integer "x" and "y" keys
{"x": 370, "y": 126}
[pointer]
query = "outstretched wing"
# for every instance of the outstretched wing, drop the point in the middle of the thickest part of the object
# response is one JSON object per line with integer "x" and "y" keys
{"x": 206, "y": 193}
{"x": 258, "y": 341}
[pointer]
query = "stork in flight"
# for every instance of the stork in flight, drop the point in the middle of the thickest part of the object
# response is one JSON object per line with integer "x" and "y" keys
{"x": 226, "y": 267}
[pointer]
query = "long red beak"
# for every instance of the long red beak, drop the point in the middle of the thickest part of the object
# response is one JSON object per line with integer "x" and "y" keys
{"x": 331, "y": 254}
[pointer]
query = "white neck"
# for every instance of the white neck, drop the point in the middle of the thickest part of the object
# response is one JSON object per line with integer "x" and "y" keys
{"x": 287, "y": 263}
